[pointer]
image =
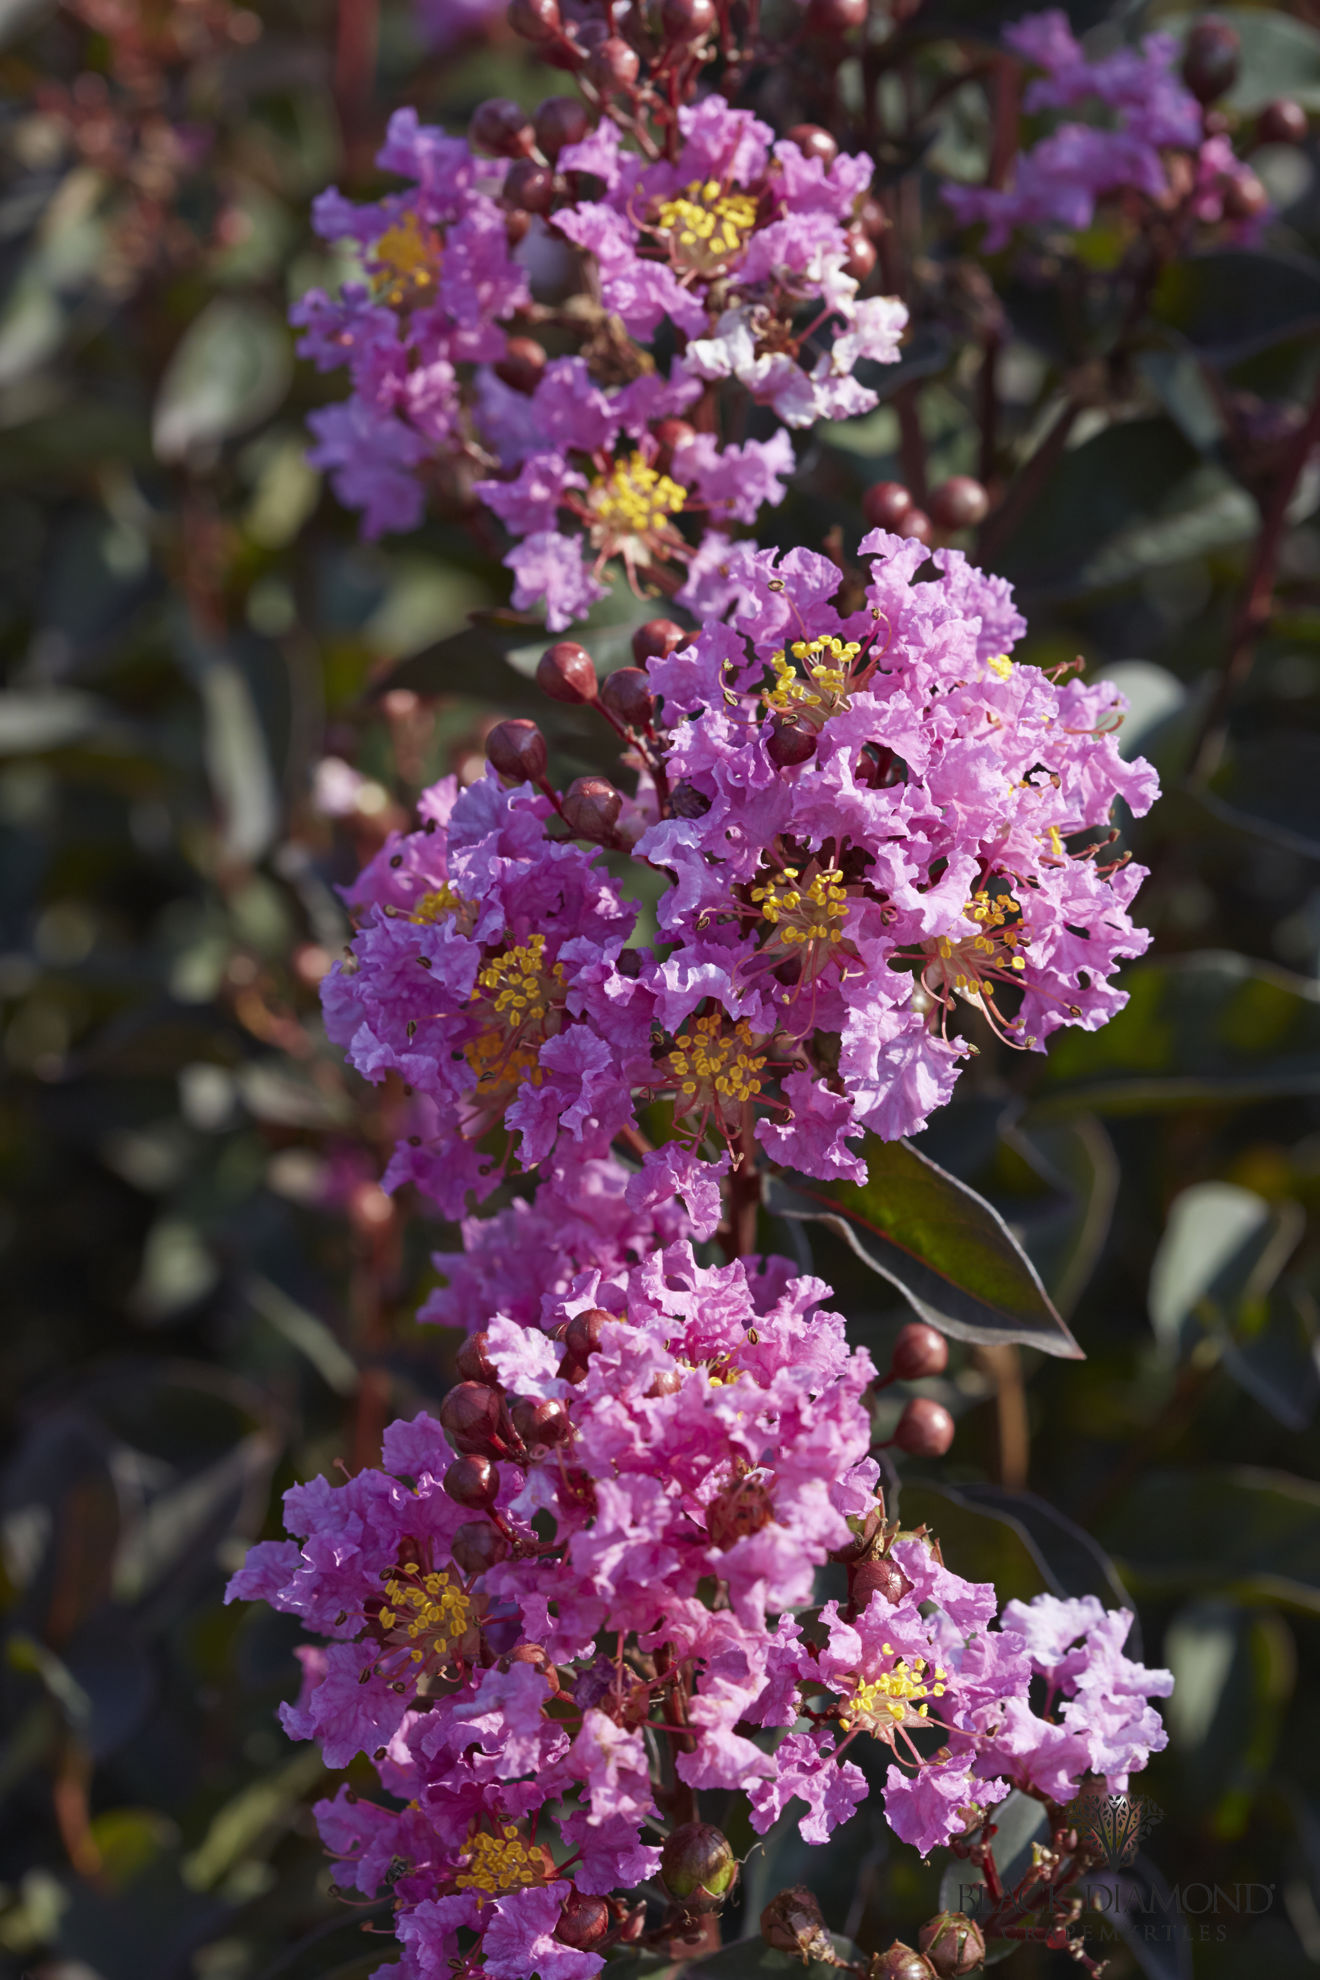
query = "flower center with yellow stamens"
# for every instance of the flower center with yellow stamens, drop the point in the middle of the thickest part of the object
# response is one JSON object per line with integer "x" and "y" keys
{"x": 634, "y": 499}
{"x": 879, "y": 1704}
{"x": 1001, "y": 666}
{"x": 518, "y": 995}
{"x": 437, "y": 903}
{"x": 714, "y": 1064}
{"x": 964, "y": 962}
{"x": 424, "y": 1614}
{"x": 518, "y": 986}
{"x": 501, "y": 1863}
{"x": 804, "y": 912}
{"x": 406, "y": 262}
{"x": 707, "y": 225}
{"x": 821, "y": 690}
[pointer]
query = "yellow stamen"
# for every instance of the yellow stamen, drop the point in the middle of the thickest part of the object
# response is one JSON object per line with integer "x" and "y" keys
{"x": 707, "y": 226}
{"x": 634, "y": 499}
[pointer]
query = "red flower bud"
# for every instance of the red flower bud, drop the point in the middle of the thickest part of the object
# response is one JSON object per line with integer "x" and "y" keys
{"x": 583, "y": 1922}
{"x": 887, "y": 505}
{"x": 789, "y": 743}
{"x": 882, "y": 1577}
{"x": 697, "y": 1865}
{"x": 1245, "y": 198}
{"x": 959, "y": 503}
{"x": 917, "y": 523}
{"x": 872, "y": 218}
{"x": 626, "y": 694}
{"x": 657, "y": 639}
{"x": 925, "y": 1429}
{"x": 470, "y": 1418}
{"x": 953, "y": 1943}
{"x": 472, "y": 1361}
{"x": 500, "y": 127}
{"x": 832, "y": 18}
{"x": 529, "y": 187}
{"x": 671, "y": 434}
{"x": 582, "y": 1333}
{"x": 614, "y": 65}
{"x": 535, "y": 20}
{"x": 687, "y": 20}
{"x": 522, "y": 364}
{"x": 591, "y": 808}
{"x": 1210, "y": 59}
{"x": 517, "y": 749}
{"x": 560, "y": 120}
{"x": 478, "y": 1545}
{"x": 814, "y": 142}
{"x": 919, "y": 1350}
{"x": 473, "y": 1481}
{"x": 532, "y": 1653}
{"x": 861, "y": 255}
{"x": 541, "y": 1424}
{"x": 566, "y": 672}
{"x": 1282, "y": 122}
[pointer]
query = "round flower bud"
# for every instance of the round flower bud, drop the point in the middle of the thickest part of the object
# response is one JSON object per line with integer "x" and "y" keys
{"x": 1210, "y": 59}
{"x": 477, "y": 1546}
{"x": 671, "y": 434}
{"x": 529, "y": 187}
{"x": 591, "y": 807}
{"x": 626, "y": 694}
{"x": 792, "y": 1923}
{"x": 500, "y": 127}
{"x": 872, "y": 218}
{"x": 534, "y": 1654}
{"x": 566, "y": 672}
{"x": 582, "y": 1333}
{"x": 925, "y": 1429}
{"x": 535, "y": 20}
{"x": 831, "y": 18}
{"x": 517, "y": 749}
{"x": 788, "y": 743}
{"x": 657, "y": 639}
{"x": 583, "y": 1922}
{"x": 522, "y": 364}
{"x": 473, "y": 1481}
{"x": 887, "y": 505}
{"x": 1282, "y": 122}
{"x": 953, "y": 1943}
{"x": 861, "y": 255}
{"x": 917, "y": 523}
{"x": 900, "y": 1963}
{"x": 516, "y": 226}
{"x": 472, "y": 1361}
{"x": 470, "y": 1418}
{"x": 881, "y": 1577}
{"x": 687, "y": 20}
{"x": 1245, "y": 198}
{"x": 614, "y": 65}
{"x": 667, "y": 1383}
{"x": 813, "y": 141}
{"x": 959, "y": 503}
{"x": 697, "y": 1865}
{"x": 919, "y": 1350}
{"x": 541, "y": 1424}
{"x": 560, "y": 120}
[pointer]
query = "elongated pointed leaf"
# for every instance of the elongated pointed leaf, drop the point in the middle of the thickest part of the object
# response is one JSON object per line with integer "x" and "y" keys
{"x": 946, "y": 1249}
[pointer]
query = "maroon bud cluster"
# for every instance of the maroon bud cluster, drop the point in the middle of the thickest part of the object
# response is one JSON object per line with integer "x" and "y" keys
{"x": 953, "y": 1943}
{"x": 658, "y": 638}
{"x": 566, "y": 672}
{"x": 1282, "y": 122}
{"x": 535, "y": 20}
{"x": 478, "y": 1545}
{"x": 517, "y": 749}
{"x": 471, "y": 1416}
{"x": 583, "y": 1922}
{"x": 959, "y": 503}
{"x": 687, "y": 20}
{"x": 1210, "y": 59}
{"x": 626, "y": 696}
{"x": 813, "y": 141}
{"x": 614, "y": 65}
{"x": 522, "y": 364}
{"x": 879, "y": 1577}
{"x": 501, "y": 128}
{"x": 473, "y": 1481}
{"x": 473, "y": 1362}
{"x": 829, "y": 19}
{"x": 541, "y": 1425}
{"x": 861, "y": 258}
{"x": 559, "y": 121}
{"x": 591, "y": 807}
{"x": 529, "y": 187}
{"x": 789, "y": 743}
{"x": 925, "y": 1429}
{"x": 920, "y": 1350}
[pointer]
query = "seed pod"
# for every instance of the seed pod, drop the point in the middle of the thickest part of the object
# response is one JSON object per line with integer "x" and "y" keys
{"x": 522, "y": 364}
{"x": 1282, "y": 122}
{"x": 477, "y": 1546}
{"x": 880, "y": 1577}
{"x": 591, "y": 806}
{"x": 534, "y": 1654}
{"x": 529, "y": 187}
{"x": 919, "y": 1350}
{"x": 560, "y": 120}
{"x": 959, "y": 503}
{"x": 657, "y": 639}
{"x": 566, "y": 672}
{"x": 832, "y": 18}
{"x": 543, "y": 1424}
{"x": 517, "y": 749}
{"x": 861, "y": 255}
{"x": 535, "y": 20}
{"x": 500, "y": 127}
{"x": 697, "y": 1865}
{"x": 792, "y": 1922}
{"x": 900, "y": 1963}
{"x": 470, "y": 1418}
{"x": 626, "y": 695}
{"x": 472, "y": 1361}
{"x": 953, "y": 1943}
{"x": 887, "y": 505}
{"x": 473, "y": 1481}
{"x": 925, "y": 1429}
{"x": 687, "y": 20}
{"x": 1210, "y": 59}
{"x": 789, "y": 743}
{"x": 813, "y": 141}
{"x": 583, "y": 1922}
{"x": 614, "y": 65}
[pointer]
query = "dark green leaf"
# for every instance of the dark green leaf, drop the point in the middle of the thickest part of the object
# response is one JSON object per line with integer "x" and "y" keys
{"x": 1237, "y": 1530}
{"x": 944, "y": 1247}
{"x": 230, "y": 369}
{"x": 1236, "y": 302}
{"x": 1070, "y": 1562}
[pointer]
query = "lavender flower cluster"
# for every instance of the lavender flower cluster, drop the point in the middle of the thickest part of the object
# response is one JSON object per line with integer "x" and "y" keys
{"x": 583, "y": 1598}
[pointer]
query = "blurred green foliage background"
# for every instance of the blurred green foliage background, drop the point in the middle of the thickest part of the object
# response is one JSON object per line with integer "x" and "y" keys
{"x": 207, "y": 1297}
